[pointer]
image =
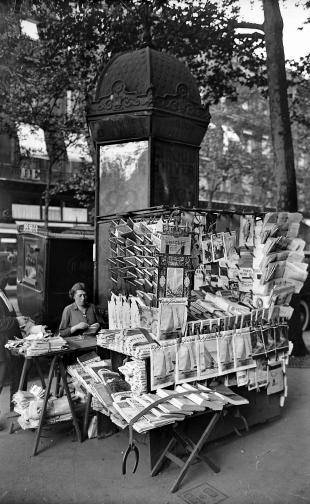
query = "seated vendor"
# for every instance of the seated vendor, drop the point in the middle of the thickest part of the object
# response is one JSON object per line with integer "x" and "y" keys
{"x": 80, "y": 316}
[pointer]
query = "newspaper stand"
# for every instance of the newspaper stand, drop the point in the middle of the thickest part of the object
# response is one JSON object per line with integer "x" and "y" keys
{"x": 201, "y": 427}
{"x": 147, "y": 123}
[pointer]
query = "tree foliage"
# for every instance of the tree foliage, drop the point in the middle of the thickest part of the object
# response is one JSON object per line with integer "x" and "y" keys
{"x": 77, "y": 39}
{"x": 236, "y": 154}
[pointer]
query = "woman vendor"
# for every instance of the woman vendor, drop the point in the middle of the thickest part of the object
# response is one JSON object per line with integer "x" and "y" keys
{"x": 80, "y": 316}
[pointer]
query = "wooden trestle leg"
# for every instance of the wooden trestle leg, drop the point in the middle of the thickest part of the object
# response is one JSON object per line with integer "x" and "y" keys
{"x": 191, "y": 447}
{"x": 66, "y": 387}
{"x": 46, "y": 396}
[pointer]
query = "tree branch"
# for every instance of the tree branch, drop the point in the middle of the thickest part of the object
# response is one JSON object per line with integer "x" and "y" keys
{"x": 250, "y": 26}
{"x": 247, "y": 35}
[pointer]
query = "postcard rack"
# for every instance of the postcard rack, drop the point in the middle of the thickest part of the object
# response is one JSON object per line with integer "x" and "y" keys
{"x": 213, "y": 287}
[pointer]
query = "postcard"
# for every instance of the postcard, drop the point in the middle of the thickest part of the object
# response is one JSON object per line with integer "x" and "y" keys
{"x": 218, "y": 249}
{"x": 246, "y": 233}
{"x": 257, "y": 342}
{"x": 206, "y": 248}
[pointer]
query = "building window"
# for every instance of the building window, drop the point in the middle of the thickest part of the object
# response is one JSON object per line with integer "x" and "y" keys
{"x": 74, "y": 214}
{"x": 29, "y": 212}
{"x": 7, "y": 148}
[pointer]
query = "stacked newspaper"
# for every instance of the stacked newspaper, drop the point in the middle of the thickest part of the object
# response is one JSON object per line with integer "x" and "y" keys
{"x": 134, "y": 372}
{"x": 44, "y": 345}
{"x": 29, "y": 406}
{"x": 127, "y": 341}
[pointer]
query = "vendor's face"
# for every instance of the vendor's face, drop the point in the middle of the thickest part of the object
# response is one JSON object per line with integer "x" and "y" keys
{"x": 80, "y": 297}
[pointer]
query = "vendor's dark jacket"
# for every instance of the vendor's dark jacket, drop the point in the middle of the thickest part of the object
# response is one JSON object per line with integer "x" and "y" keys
{"x": 72, "y": 316}
{"x": 9, "y": 329}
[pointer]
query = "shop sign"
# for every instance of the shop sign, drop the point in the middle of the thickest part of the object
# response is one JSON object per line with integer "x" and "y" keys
{"x": 28, "y": 227}
{"x": 29, "y": 173}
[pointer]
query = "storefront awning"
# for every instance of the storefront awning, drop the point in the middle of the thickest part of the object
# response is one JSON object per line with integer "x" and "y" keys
{"x": 50, "y": 224}
{"x": 8, "y": 228}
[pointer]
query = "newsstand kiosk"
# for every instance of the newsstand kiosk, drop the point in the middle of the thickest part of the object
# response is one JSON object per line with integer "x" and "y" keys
{"x": 147, "y": 123}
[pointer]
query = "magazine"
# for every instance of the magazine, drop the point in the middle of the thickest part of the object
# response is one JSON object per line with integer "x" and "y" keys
{"x": 186, "y": 362}
{"x": 226, "y": 351}
{"x": 162, "y": 366}
{"x": 229, "y": 396}
{"x": 181, "y": 402}
{"x": 208, "y": 356}
{"x": 94, "y": 367}
{"x": 88, "y": 358}
{"x": 275, "y": 378}
{"x": 172, "y": 318}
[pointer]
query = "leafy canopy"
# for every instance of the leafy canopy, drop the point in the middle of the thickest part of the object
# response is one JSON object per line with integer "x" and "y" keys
{"x": 77, "y": 39}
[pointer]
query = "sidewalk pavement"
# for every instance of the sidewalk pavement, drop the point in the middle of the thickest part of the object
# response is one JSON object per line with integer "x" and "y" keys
{"x": 268, "y": 465}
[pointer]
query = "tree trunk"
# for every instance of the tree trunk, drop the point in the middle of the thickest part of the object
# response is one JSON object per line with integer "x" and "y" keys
{"x": 47, "y": 194}
{"x": 282, "y": 139}
{"x": 279, "y": 112}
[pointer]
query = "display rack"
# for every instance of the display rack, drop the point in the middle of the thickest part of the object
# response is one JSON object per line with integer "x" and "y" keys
{"x": 204, "y": 297}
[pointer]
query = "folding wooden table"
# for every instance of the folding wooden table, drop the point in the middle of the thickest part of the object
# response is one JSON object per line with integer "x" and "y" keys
{"x": 192, "y": 448}
{"x": 77, "y": 345}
